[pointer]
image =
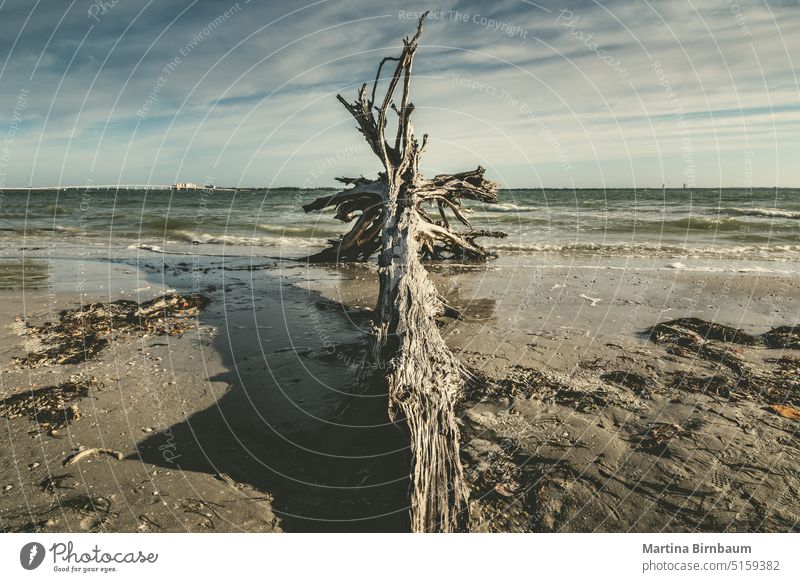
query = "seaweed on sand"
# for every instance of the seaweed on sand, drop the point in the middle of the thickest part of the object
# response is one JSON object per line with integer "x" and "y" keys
{"x": 784, "y": 337}
{"x": 527, "y": 383}
{"x": 79, "y": 334}
{"x": 636, "y": 382}
{"x": 51, "y": 407}
{"x": 658, "y": 436}
{"x": 675, "y": 331}
{"x": 692, "y": 337}
{"x": 686, "y": 331}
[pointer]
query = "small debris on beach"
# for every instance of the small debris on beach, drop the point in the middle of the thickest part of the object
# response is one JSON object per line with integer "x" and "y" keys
{"x": 147, "y": 523}
{"x": 94, "y": 511}
{"x": 784, "y": 337}
{"x": 583, "y": 399}
{"x": 52, "y": 483}
{"x": 81, "y": 333}
{"x": 51, "y": 407}
{"x": 694, "y": 338}
{"x": 711, "y": 385}
{"x": 592, "y": 300}
{"x": 639, "y": 384}
{"x": 544, "y": 385}
{"x": 520, "y": 382}
{"x": 86, "y": 453}
{"x": 205, "y": 509}
{"x": 679, "y": 331}
{"x": 506, "y": 489}
{"x": 786, "y": 411}
{"x": 225, "y": 478}
{"x": 659, "y": 435}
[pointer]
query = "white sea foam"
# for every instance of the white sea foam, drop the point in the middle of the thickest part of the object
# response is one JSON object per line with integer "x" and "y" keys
{"x": 770, "y": 212}
{"x": 251, "y": 241}
{"x": 508, "y": 207}
{"x": 787, "y": 252}
{"x": 723, "y": 269}
{"x": 145, "y": 247}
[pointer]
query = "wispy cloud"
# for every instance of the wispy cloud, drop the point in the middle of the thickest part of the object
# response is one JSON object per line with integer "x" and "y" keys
{"x": 541, "y": 93}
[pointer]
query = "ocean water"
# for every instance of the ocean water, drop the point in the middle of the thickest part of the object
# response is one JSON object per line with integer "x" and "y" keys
{"x": 757, "y": 224}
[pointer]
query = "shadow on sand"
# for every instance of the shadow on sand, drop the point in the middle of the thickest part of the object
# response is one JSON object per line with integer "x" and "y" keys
{"x": 290, "y": 423}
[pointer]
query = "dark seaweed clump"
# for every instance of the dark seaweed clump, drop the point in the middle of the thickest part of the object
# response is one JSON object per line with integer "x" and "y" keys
{"x": 80, "y": 334}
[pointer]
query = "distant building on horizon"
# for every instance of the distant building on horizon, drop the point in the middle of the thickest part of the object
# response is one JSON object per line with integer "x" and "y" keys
{"x": 186, "y": 186}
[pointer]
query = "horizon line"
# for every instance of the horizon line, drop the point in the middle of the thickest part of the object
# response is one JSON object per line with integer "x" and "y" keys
{"x": 234, "y": 188}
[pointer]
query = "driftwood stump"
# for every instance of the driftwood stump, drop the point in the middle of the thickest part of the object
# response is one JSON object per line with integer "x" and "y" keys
{"x": 408, "y": 355}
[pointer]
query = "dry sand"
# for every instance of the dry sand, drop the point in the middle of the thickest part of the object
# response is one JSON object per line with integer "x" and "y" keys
{"x": 250, "y": 421}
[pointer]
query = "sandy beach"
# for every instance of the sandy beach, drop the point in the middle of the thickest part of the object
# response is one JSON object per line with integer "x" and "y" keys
{"x": 249, "y": 418}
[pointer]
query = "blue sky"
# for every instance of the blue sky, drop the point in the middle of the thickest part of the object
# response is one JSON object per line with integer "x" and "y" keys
{"x": 575, "y": 94}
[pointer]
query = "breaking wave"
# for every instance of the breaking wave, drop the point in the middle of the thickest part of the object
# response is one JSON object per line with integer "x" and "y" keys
{"x": 768, "y": 212}
{"x": 250, "y": 241}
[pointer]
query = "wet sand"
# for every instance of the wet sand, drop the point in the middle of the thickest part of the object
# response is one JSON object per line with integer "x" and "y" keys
{"x": 251, "y": 420}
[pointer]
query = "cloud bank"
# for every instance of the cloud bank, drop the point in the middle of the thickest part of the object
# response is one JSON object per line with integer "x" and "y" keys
{"x": 582, "y": 94}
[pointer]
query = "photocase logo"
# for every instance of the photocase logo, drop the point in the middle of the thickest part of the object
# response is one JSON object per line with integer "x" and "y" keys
{"x": 31, "y": 555}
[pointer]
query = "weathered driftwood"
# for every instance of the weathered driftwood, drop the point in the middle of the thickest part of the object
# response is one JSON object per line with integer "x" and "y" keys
{"x": 365, "y": 201}
{"x": 408, "y": 355}
{"x": 86, "y": 453}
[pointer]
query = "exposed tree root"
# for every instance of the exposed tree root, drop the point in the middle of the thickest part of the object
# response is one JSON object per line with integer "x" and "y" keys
{"x": 364, "y": 202}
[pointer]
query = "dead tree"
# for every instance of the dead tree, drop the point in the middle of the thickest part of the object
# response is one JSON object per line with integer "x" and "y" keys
{"x": 408, "y": 355}
{"x": 370, "y": 203}
{"x": 365, "y": 202}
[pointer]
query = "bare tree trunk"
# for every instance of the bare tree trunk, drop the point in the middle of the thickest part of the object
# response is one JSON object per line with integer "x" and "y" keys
{"x": 424, "y": 379}
{"x": 407, "y": 354}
